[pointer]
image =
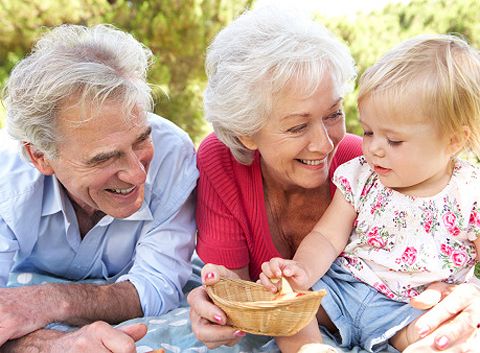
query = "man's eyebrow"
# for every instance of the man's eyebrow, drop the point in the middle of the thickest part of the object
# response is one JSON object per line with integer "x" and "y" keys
{"x": 104, "y": 156}
{"x": 145, "y": 134}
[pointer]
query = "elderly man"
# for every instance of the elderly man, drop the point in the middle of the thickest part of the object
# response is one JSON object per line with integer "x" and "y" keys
{"x": 104, "y": 191}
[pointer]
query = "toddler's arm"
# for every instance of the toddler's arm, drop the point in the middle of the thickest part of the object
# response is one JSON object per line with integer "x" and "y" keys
{"x": 318, "y": 249}
{"x": 327, "y": 240}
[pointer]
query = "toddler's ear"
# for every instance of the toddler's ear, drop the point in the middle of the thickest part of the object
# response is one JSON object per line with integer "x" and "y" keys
{"x": 458, "y": 141}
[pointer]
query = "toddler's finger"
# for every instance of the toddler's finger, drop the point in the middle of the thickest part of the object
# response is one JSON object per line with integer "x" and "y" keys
{"x": 276, "y": 266}
{"x": 267, "y": 270}
{"x": 267, "y": 283}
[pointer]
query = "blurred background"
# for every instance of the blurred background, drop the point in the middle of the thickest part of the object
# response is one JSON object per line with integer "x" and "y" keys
{"x": 179, "y": 31}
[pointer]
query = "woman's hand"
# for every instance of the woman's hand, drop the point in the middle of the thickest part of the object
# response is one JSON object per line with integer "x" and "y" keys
{"x": 208, "y": 320}
{"x": 450, "y": 326}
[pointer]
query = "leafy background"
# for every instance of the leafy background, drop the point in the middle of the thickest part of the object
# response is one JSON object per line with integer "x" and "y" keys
{"x": 179, "y": 31}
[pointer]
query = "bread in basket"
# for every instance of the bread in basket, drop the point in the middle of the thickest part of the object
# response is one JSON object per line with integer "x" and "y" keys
{"x": 252, "y": 308}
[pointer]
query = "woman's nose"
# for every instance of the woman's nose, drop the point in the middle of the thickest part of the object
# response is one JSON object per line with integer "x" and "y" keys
{"x": 320, "y": 140}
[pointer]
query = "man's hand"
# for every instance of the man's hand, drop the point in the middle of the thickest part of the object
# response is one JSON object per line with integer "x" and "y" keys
{"x": 26, "y": 309}
{"x": 23, "y": 310}
{"x": 98, "y": 337}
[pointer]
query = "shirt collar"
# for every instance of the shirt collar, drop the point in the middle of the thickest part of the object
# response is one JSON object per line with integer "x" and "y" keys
{"x": 52, "y": 196}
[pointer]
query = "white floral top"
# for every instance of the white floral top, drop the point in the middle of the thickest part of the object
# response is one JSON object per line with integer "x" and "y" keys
{"x": 400, "y": 243}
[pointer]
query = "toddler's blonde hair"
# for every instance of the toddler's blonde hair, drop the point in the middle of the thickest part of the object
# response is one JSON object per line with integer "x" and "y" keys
{"x": 438, "y": 72}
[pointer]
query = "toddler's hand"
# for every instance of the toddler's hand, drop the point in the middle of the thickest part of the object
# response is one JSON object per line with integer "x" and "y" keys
{"x": 277, "y": 268}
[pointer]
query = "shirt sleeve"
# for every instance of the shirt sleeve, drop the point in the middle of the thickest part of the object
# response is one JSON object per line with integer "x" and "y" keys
{"x": 162, "y": 263}
{"x": 473, "y": 230}
{"x": 8, "y": 249}
{"x": 353, "y": 179}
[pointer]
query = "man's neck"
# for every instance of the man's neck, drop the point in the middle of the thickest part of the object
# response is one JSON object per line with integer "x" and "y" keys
{"x": 86, "y": 220}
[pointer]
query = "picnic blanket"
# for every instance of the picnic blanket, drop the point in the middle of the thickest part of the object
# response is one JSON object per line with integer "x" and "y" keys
{"x": 172, "y": 331}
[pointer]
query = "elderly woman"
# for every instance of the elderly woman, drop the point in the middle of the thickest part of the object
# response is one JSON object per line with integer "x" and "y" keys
{"x": 276, "y": 82}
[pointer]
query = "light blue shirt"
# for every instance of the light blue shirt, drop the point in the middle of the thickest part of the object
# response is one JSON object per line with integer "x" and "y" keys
{"x": 151, "y": 248}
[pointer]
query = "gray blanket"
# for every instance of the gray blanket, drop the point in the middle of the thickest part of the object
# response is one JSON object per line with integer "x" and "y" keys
{"x": 172, "y": 331}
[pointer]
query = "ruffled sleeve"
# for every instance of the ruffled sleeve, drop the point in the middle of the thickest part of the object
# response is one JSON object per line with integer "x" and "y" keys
{"x": 354, "y": 179}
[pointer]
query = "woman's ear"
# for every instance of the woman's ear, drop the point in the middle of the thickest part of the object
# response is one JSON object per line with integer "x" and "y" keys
{"x": 248, "y": 142}
{"x": 38, "y": 159}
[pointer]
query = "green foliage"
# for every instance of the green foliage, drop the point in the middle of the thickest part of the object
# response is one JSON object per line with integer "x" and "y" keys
{"x": 22, "y": 22}
{"x": 178, "y": 32}
{"x": 371, "y": 35}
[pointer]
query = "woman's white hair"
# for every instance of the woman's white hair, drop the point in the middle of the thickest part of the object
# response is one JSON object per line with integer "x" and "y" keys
{"x": 257, "y": 57}
{"x": 87, "y": 64}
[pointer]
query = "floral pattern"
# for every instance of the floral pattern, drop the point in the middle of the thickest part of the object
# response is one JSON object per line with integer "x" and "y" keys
{"x": 401, "y": 243}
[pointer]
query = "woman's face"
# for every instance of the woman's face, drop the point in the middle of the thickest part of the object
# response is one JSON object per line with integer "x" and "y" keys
{"x": 300, "y": 137}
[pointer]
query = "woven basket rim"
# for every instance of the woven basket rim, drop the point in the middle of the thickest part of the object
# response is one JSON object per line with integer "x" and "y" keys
{"x": 261, "y": 304}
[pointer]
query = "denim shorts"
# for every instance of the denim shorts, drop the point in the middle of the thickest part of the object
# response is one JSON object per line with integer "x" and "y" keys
{"x": 363, "y": 316}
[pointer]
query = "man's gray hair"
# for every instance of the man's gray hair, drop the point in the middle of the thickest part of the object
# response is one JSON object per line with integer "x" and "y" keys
{"x": 256, "y": 58}
{"x": 87, "y": 64}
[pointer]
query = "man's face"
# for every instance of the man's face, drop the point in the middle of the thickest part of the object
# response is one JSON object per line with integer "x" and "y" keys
{"x": 103, "y": 162}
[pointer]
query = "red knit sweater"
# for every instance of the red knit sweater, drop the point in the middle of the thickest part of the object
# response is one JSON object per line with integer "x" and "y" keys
{"x": 231, "y": 217}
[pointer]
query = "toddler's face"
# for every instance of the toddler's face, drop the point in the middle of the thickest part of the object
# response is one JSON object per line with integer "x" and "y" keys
{"x": 406, "y": 150}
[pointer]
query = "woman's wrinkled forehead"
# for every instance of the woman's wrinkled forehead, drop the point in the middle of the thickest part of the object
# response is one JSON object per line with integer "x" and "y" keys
{"x": 305, "y": 86}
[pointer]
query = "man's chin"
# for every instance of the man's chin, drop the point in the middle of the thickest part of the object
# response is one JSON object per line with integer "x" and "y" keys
{"x": 123, "y": 212}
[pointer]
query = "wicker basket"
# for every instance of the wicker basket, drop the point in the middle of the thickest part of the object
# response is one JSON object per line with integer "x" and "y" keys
{"x": 252, "y": 308}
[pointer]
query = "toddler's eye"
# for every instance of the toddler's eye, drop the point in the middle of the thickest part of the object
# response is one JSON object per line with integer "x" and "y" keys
{"x": 394, "y": 142}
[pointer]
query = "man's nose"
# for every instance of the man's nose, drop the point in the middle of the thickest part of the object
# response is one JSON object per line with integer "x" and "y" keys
{"x": 133, "y": 170}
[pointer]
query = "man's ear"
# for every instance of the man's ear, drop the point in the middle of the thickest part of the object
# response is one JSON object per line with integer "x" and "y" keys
{"x": 248, "y": 142}
{"x": 38, "y": 159}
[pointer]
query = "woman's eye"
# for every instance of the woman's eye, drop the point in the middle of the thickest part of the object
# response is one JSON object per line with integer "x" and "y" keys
{"x": 337, "y": 114}
{"x": 297, "y": 128}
